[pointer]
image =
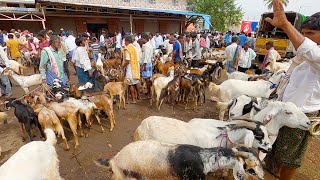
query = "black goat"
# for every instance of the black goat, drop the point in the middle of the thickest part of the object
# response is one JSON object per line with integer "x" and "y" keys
{"x": 25, "y": 115}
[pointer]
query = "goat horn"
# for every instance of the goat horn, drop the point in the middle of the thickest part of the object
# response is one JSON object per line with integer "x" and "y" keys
{"x": 242, "y": 154}
{"x": 246, "y": 125}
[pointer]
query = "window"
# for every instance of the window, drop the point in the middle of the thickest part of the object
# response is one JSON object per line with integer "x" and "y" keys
{"x": 175, "y": 2}
{"x": 152, "y": 1}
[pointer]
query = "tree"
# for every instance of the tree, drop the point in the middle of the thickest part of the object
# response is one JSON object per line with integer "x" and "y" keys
{"x": 270, "y": 3}
{"x": 224, "y": 13}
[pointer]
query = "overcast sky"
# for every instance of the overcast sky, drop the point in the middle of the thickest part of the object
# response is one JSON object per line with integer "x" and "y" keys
{"x": 254, "y": 8}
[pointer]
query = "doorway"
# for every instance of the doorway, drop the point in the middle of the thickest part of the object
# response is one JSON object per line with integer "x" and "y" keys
{"x": 95, "y": 29}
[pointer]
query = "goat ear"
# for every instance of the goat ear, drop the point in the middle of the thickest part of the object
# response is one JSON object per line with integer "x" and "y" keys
{"x": 270, "y": 115}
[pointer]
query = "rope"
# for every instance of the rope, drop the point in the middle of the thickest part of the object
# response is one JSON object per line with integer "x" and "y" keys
{"x": 43, "y": 89}
{"x": 28, "y": 93}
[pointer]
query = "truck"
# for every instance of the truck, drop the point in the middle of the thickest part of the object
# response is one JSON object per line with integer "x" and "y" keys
{"x": 266, "y": 32}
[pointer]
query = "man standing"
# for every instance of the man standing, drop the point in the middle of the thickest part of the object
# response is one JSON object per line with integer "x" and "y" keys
{"x": 196, "y": 51}
{"x": 14, "y": 47}
{"x": 242, "y": 39}
{"x": 271, "y": 57}
{"x": 146, "y": 66}
{"x": 188, "y": 47}
{"x": 177, "y": 51}
{"x": 5, "y": 81}
{"x": 118, "y": 42}
{"x": 233, "y": 55}
{"x": 246, "y": 58}
{"x": 227, "y": 38}
{"x": 102, "y": 38}
{"x": 158, "y": 40}
{"x": 131, "y": 63}
{"x": 51, "y": 63}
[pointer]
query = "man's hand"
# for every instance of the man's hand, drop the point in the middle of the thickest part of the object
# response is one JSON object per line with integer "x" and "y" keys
{"x": 143, "y": 67}
{"x": 280, "y": 19}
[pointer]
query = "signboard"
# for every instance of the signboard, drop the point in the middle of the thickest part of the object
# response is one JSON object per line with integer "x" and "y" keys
{"x": 248, "y": 26}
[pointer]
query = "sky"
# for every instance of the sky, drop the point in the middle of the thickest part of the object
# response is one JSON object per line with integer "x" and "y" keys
{"x": 254, "y": 8}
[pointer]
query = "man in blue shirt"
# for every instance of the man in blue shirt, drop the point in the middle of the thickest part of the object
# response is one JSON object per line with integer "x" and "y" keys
{"x": 242, "y": 39}
{"x": 227, "y": 39}
{"x": 177, "y": 50}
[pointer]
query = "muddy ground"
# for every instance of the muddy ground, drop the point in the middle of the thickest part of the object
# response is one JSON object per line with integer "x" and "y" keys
{"x": 105, "y": 145}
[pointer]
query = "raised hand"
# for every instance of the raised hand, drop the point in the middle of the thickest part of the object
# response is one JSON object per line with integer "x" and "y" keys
{"x": 279, "y": 20}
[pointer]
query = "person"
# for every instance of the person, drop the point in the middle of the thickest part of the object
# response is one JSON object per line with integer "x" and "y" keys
{"x": 152, "y": 41}
{"x": 227, "y": 38}
{"x": 301, "y": 87}
{"x": 1, "y": 38}
{"x": 188, "y": 47}
{"x": 202, "y": 41}
{"x": 177, "y": 50}
{"x": 95, "y": 48}
{"x": 70, "y": 44}
{"x": 131, "y": 63}
{"x": 14, "y": 48}
{"x": 43, "y": 41}
{"x": 51, "y": 63}
{"x": 233, "y": 52}
{"x": 102, "y": 38}
{"x": 246, "y": 58}
{"x": 158, "y": 40}
{"x": 271, "y": 57}
{"x": 146, "y": 59}
{"x": 250, "y": 40}
{"x": 6, "y": 88}
{"x": 242, "y": 38}
{"x": 195, "y": 51}
{"x": 118, "y": 42}
{"x": 82, "y": 62}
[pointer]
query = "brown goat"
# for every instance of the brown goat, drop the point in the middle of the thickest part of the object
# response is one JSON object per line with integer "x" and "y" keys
{"x": 48, "y": 119}
{"x": 69, "y": 112}
{"x": 78, "y": 94}
{"x": 105, "y": 103}
{"x": 117, "y": 88}
{"x": 163, "y": 68}
{"x": 115, "y": 63}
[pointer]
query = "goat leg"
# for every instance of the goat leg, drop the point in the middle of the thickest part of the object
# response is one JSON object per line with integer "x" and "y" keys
{"x": 28, "y": 129}
{"x": 61, "y": 132}
{"x": 99, "y": 121}
{"x": 22, "y": 131}
{"x": 73, "y": 126}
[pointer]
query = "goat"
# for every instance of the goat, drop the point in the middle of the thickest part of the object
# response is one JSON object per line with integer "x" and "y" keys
{"x": 16, "y": 67}
{"x": 105, "y": 103}
{"x": 113, "y": 63}
{"x": 158, "y": 85}
{"x": 35, "y": 160}
{"x": 49, "y": 120}
{"x": 205, "y": 134}
{"x": 26, "y": 81}
{"x": 118, "y": 88}
{"x": 69, "y": 112}
{"x": 87, "y": 108}
{"x": 156, "y": 160}
{"x": 99, "y": 64}
{"x": 78, "y": 94}
{"x": 173, "y": 90}
{"x": 3, "y": 118}
{"x": 26, "y": 117}
{"x": 163, "y": 68}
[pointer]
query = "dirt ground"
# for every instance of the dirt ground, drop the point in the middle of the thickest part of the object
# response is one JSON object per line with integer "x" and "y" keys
{"x": 79, "y": 163}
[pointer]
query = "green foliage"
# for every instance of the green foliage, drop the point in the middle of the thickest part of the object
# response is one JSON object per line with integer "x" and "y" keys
{"x": 270, "y": 3}
{"x": 224, "y": 13}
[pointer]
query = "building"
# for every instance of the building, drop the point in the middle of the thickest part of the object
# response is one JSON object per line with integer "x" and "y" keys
{"x": 133, "y": 16}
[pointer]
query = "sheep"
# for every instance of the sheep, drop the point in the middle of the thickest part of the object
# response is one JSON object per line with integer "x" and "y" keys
{"x": 26, "y": 117}
{"x": 34, "y": 161}
{"x": 118, "y": 88}
{"x": 16, "y": 67}
{"x": 69, "y": 112}
{"x": 156, "y": 160}
{"x": 26, "y": 81}
{"x": 205, "y": 135}
{"x": 105, "y": 103}
{"x": 233, "y": 88}
{"x": 158, "y": 85}
{"x": 49, "y": 120}
{"x": 99, "y": 64}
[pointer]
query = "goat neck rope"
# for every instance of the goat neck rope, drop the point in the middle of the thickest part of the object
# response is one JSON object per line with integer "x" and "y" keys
{"x": 273, "y": 85}
{"x": 224, "y": 135}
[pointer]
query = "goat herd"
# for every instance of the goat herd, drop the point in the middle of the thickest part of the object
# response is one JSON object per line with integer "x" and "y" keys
{"x": 164, "y": 148}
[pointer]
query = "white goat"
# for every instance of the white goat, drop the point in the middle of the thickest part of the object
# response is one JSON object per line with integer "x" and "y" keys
{"x": 277, "y": 66}
{"x": 156, "y": 160}
{"x": 205, "y": 135}
{"x": 26, "y": 81}
{"x": 16, "y": 67}
{"x": 159, "y": 84}
{"x": 239, "y": 75}
{"x": 34, "y": 161}
{"x": 99, "y": 64}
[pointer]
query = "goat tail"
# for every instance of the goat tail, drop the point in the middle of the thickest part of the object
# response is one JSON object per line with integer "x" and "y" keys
{"x": 103, "y": 162}
{"x": 3, "y": 116}
{"x": 51, "y": 136}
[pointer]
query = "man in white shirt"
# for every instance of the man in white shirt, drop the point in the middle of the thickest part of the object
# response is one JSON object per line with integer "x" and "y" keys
{"x": 5, "y": 81}
{"x": 301, "y": 87}
{"x": 102, "y": 38}
{"x": 70, "y": 44}
{"x": 118, "y": 42}
{"x": 158, "y": 40}
{"x": 196, "y": 51}
{"x": 246, "y": 58}
{"x": 146, "y": 66}
{"x": 187, "y": 47}
{"x": 233, "y": 52}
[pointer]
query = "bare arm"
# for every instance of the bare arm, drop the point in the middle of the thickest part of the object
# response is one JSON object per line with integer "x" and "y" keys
{"x": 280, "y": 20}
